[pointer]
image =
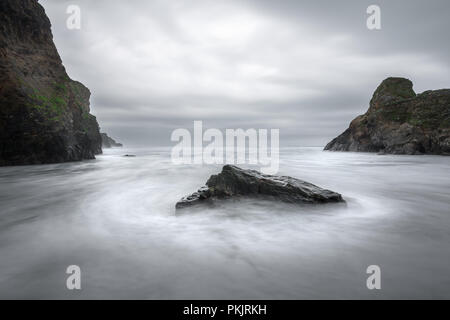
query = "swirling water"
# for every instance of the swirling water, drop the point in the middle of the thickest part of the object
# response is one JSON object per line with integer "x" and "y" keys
{"x": 115, "y": 218}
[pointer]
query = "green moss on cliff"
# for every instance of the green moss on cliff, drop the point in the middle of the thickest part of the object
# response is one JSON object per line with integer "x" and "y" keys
{"x": 429, "y": 110}
{"x": 53, "y": 105}
{"x": 395, "y": 87}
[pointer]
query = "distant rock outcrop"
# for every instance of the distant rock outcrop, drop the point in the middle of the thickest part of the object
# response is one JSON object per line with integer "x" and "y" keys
{"x": 44, "y": 115}
{"x": 108, "y": 142}
{"x": 234, "y": 181}
{"x": 400, "y": 122}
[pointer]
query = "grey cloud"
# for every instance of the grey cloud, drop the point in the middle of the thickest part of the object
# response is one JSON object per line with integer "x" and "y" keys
{"x": 305, "y": 67}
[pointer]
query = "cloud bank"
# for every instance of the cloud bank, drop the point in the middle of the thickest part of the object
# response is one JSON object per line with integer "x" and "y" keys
{"x": 305, "y": 67}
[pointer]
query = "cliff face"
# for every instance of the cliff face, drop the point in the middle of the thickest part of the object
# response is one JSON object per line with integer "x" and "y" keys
{"x": 44, "y": 115}
{"x": 400, "y": 122}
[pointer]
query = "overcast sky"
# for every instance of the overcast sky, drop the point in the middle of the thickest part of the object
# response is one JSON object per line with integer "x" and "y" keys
{"x": 305, "y": 67}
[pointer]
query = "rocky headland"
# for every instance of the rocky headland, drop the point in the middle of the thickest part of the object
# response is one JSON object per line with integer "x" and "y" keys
{"x": 44, "y": 115}
{"x": 399, "y": 121}
{"x": 236, "y": 182}
{"x": 108, "y": 142}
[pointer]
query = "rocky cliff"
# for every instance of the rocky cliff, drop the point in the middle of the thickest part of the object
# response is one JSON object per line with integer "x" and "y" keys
{"x": 400, "y": 122}
{"x": 44, "y": 115}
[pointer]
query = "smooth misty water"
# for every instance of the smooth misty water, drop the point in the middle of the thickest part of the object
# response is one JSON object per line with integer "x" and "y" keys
{"x": 115, "y": 218}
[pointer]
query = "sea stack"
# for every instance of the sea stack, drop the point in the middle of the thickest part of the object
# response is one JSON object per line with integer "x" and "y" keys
{"x": 108, "y": 142}
{"x": 44, "y": 115}
{"x": 400, "y": 122}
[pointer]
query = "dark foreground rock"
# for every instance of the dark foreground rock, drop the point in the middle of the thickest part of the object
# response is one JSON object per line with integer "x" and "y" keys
{"x": 108, "y": 142}
{"x": 234, "y": 181}
{"x": 400, "y": 122}
{"x": 44, "y": 115}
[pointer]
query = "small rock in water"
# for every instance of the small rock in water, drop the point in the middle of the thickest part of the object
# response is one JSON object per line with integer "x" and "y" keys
{"x": 129, "y": 155}
{"x": 234, "y": 181}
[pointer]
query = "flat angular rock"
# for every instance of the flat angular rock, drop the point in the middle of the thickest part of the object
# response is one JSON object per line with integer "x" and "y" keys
{"x": 234, "y": 181}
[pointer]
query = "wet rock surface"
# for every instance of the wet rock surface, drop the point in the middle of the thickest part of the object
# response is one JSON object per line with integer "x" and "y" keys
{"x": 234, "y": 181}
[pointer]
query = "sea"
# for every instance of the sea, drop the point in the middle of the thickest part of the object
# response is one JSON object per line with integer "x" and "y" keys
{"x": 115, "y": 219}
